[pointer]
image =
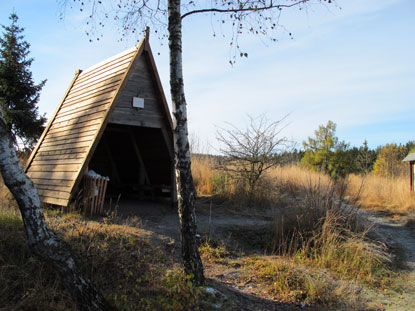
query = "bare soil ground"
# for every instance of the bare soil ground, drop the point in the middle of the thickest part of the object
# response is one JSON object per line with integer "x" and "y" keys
{"x": 161, "y": 221}
{"x": 224, "y": 224}
{"x": 401, "y": 240}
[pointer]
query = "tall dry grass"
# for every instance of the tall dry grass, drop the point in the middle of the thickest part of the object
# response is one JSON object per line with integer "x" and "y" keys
{"x": 207, "y": 179}
{"x": 295, "y": 179}
{"x": 312, "y": 223}
{"x": 322, "y": 231}
{"x": 382, "y": 193}
{"x": 371, "y": 191}
{"x": 210, "y": 179}
{"x": 318, "y": 240}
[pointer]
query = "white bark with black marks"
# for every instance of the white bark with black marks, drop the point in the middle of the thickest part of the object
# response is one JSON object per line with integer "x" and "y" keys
{"x": 42, "y": 241}
{"x": 184, "y": 181}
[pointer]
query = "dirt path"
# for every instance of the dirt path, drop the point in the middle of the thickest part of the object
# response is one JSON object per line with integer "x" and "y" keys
{"x": 402, "y": 240}
{"x": 396, "y": 233}
{"x": 162, "y": 220}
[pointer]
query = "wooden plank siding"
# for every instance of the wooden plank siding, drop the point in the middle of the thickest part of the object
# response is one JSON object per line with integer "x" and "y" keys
{"x": 141, "y": 83}
{"x": 64, "y": 146}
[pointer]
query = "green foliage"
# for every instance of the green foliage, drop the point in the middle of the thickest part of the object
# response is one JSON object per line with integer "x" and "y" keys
{"x": 410, "y": 146}
{"x": 365, "y": 159}
{"x": 219, "y": 183}
{"x": 325, "y": 139}
{"x": 343, "y": 161}
{"x": 18, "y": 92}
{"x": 389, "y": 161}
{"x": 290, "y": 157}
{"x": 325, "y": 153}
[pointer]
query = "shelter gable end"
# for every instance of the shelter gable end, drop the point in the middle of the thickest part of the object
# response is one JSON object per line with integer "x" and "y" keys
{"x": 142, "y": 84}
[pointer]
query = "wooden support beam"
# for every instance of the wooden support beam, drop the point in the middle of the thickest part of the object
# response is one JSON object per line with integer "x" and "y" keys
{"x": 143, "y": 178}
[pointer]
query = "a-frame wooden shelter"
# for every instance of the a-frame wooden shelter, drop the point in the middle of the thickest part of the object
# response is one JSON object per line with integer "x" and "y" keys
{"x": 113, "y": 119}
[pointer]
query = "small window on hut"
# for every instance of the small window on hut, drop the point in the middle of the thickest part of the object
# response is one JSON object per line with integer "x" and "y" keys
{"x": 138, "y": 102}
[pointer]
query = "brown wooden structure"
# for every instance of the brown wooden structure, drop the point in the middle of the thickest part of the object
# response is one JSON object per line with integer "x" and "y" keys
{"x": 113, "y": 119}
{"x": 411, "y": 159}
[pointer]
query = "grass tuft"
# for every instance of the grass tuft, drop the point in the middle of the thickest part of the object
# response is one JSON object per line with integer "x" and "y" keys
{"x": 285, "y": 280}
{"x": 382, "y": 193}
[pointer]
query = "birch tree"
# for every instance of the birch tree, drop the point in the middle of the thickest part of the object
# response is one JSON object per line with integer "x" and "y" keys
{"x": 42, "y": 241}
{"x": 257, "y": 17}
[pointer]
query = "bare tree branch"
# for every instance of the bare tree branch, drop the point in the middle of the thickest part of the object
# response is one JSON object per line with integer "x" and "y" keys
{"x": 249, "y": 152}
{"x": 244, "y": 9}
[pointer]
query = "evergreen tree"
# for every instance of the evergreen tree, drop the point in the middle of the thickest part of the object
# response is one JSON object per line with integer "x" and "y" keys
{"x": 410, "y": 146}
{"x": 366, "y": 159}
{"x": 319, "y": 150}
{"x": 18, "y": 92}
{"x": 326, "y": 153}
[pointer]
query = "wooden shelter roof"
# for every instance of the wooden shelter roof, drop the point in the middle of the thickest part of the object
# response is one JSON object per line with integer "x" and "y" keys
{"x": 410, "y": 157}
{"x": 61, "y": 156}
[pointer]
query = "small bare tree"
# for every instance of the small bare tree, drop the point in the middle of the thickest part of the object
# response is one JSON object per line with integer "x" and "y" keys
{"x": 249, "y": 152}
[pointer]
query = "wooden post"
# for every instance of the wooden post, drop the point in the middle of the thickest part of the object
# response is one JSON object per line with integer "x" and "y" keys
{"x": 101, "y": 207}
{"x": 143, "y": 178}
{"x": 94, "y": 202}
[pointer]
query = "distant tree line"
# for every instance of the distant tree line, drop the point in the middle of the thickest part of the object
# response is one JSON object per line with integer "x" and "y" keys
{"x": 324, "y": 152}
{"x": 260, "y": 145}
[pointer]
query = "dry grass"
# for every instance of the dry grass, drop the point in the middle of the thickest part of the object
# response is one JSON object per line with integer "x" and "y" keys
{"x": 207, "y": 179}
{"x": 381, "y": 193}
{"x": 282, "y": 278}
{"x": 316, "y": 227}
{"x": 372, "y": 191}
{"x": 295, "y": 179}
{"x": 131, "y": 271}
{"x": 285, "y": 279}
{"x": 327, "y": 234}
{"x": 320, "y": 243}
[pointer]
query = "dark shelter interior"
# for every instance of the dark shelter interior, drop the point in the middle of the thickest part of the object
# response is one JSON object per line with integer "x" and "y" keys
{"x": 136, "y": 160}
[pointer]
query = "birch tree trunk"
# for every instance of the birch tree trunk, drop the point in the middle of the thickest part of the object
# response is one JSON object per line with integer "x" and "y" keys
{"x": 42, "y": 241}
{"x": 184, "y": 181}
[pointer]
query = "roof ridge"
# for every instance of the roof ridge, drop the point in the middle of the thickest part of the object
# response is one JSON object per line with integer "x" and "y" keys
{"x": 109, "y": 59}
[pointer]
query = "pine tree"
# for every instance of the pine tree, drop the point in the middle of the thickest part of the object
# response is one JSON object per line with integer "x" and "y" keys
{"x": 18, "y": 92}
{"x": 366, "y": 159}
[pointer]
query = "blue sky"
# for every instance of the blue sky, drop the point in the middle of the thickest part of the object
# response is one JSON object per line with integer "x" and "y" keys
{"x": 353, "y": 63}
